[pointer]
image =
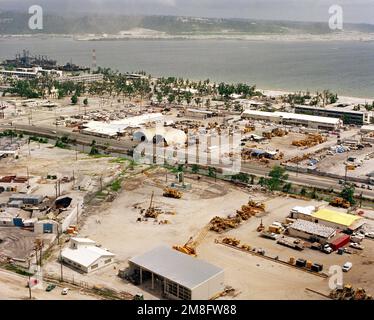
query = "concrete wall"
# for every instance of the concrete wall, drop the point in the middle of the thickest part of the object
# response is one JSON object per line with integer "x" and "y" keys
{"x": 72, "y": 217}
{"x": 209, "y": 288}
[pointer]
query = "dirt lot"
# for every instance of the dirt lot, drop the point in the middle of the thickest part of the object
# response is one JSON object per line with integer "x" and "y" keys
{"x": 13, "y": 287}
{"x": 115, "y": 228}
{"x": 45, "y": 159}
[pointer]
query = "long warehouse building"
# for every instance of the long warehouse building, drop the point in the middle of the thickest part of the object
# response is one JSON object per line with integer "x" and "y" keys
{"x": 176, "y": 275}
{"x": 286, "y": 118}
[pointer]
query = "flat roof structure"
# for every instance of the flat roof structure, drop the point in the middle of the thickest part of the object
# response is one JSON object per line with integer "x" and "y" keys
{"x": 312, "y": 229}
{"x": 336, "y": 217}
{"x": 291, "y": 116}
{"x": 178, "y": 267}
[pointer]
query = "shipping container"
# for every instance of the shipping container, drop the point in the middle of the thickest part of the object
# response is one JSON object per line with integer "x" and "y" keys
{"x": 339, "y": 241}
{"x": 300, "y": 263}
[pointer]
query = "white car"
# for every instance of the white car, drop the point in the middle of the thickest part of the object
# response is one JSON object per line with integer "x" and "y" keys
{"x": 65, "y": 291}
{"x": 370, "y": 235}
{"x": 347, "y": 266}
{"x": 356, "y": 246}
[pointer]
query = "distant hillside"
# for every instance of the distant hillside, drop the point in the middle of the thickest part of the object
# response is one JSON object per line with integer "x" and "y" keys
{"x": 17, "y": 23}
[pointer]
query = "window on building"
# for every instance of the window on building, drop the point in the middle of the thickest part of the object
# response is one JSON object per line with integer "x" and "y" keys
{"x": 108, "y": 261}
{"x": 94, "y": 266}
{"x": 184, "y": 293}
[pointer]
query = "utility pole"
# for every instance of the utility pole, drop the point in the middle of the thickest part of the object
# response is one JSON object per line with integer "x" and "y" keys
{"x": 36, "y": 254}
{"x": 77, "y": 214}
{"x": 61, "y": 271}
{"x": 58, "y": 233}
{"x": 30, "y": 297}
{"x": 28, "y": 176}
{"x": 345, "y": 176}
{"x": 41, "y": 253}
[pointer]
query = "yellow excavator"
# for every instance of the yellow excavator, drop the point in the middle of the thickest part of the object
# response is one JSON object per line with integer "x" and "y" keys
{"x": 191, "y": 245}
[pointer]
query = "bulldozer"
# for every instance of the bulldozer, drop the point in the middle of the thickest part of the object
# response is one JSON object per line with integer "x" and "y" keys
{"x": 172, "y": 193}
{"x": 191, "y": 245}
{"x": 231, "y": 241}
{"x": 349, "y": 293}
{"x": 340, "y": 203}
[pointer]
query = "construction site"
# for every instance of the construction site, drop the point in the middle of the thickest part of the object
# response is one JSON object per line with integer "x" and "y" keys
{"x": 241, "y": 232}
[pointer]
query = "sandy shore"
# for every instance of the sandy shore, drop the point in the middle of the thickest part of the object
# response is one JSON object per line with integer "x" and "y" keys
{"x": 342, "y": 99}
{"x": 148, "y": 34}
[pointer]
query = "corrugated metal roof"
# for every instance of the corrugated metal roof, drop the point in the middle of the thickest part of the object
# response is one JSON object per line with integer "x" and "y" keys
{"x": 313, "y": 228}
{"x": 293, "y": 116}
{"x": 178, "y": 267}
{"x": 341, "y": 218}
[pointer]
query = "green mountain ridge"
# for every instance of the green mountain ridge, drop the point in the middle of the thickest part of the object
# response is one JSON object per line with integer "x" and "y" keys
{"x": 12, "y": 23}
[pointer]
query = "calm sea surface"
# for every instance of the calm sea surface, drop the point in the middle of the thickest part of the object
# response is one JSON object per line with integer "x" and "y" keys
{"x": 343, "y": 67}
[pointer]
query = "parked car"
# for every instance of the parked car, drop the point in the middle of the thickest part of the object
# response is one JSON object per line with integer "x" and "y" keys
{"x": 347, "y": 266}
{"x": 65, "y": 291}
{"x": 370, "y": 235}
{"x": 356, "y": 246}
{"x": 50, "y": 287}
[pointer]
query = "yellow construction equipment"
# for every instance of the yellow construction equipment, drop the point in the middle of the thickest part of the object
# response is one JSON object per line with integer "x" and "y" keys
{"x": 310, "y": 141}
{"x": 231, "y": 241}
{"x": 191, "y": 245}
{"x": 172, "y": 193}
{"x": 261, "y": 227}
{"x": 340, "y": 203}
{"x": 151, "y": 212}
{"x": 349, "y": 293}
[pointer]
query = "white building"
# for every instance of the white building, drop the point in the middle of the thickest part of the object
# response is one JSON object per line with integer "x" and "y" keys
{"x": 83, "y": 254}
{"x": 311, "y": 231}
{"x": 115, "y": 128}
{"x": 84, "y": 78}
{"x": 314, "y": 122}
{"x": 179, "y": 276}
{"x": 197, "y": 113}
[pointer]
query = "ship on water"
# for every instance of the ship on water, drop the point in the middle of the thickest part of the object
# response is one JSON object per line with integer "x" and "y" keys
{"x": 25, "y": 60}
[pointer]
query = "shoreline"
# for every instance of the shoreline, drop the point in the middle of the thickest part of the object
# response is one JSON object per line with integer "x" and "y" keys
{"x": 159, "y": 36}
{"x": 342, "y": 98}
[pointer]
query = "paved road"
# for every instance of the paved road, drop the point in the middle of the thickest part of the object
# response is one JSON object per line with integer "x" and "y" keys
{"x": 13, "y": 287}
{"x": 124, "y": 146}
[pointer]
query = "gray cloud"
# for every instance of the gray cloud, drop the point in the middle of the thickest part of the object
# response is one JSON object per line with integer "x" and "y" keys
{"x": 358, "y": 11}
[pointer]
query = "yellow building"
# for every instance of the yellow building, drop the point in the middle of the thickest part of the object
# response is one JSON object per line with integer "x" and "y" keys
{"x": 336, "y": 219}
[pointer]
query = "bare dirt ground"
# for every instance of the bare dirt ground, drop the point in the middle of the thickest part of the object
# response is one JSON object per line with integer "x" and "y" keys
{"x": 116, "y": 229}
{"x": 45, "y": 159}
{"x": 13, "y": 287}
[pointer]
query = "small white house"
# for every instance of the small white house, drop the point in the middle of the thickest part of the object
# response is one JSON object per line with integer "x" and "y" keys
{"x": 83, "y": 254}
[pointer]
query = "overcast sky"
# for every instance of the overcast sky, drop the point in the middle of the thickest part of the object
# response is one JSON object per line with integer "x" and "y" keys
{"x": 357, "y": 11}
